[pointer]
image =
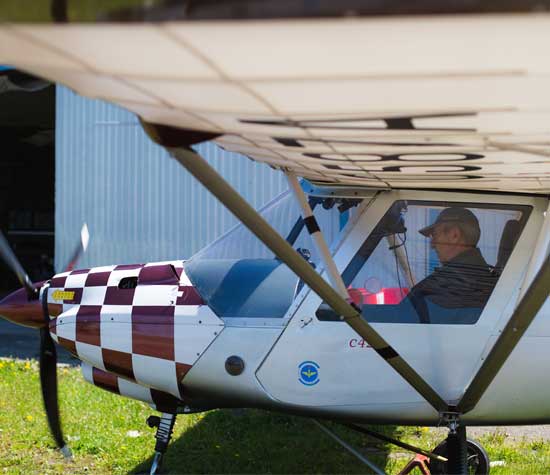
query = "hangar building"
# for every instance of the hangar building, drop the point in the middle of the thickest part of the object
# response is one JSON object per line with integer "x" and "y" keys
{"x": 68, "y": 160}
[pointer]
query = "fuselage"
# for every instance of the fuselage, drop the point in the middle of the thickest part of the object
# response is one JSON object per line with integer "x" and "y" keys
{"x": 163, "y": 332}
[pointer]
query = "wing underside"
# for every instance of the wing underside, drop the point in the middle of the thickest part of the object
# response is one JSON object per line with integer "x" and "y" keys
{"x": 454, "y": 102}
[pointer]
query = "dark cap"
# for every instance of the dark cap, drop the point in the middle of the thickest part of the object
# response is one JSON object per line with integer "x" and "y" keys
{"x": 459, "y": 216}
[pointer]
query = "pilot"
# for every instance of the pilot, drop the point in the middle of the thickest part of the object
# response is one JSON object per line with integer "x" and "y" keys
{"x": 464, "y": 279}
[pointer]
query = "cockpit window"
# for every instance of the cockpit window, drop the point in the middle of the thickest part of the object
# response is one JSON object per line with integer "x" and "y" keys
{"x": 284, "y": 215}
{"x": 432, "y": 262}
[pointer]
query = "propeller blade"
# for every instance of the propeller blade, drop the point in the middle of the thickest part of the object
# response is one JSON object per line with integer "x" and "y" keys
{"x": 48, "y": 353}
{"x": 13, "y": 263}
{"x": 48, "y": 381}
{"x": 80, "y": 249}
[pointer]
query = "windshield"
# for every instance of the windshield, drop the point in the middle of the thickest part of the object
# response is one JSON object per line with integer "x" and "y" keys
{"x": 284, "y": 214}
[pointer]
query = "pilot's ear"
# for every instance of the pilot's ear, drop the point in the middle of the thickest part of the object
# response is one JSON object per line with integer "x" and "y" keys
{"x": 455, "y": 234}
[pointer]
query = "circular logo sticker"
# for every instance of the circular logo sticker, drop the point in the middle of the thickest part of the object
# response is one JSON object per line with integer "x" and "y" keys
{"x": 309, "y": 373}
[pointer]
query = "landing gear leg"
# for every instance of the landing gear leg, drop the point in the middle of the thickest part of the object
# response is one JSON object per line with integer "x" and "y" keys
{"x": 457, "y": 450}
{"x": 165, "y": 426}
{"x": 478, "y": 460}
{"x": 463, "y": 456}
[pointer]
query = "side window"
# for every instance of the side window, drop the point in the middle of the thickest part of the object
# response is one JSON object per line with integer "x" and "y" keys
{"x": 432, "y": 262}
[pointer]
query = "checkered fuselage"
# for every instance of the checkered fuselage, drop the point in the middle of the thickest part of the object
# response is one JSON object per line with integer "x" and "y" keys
{"x": 138, "y": 328}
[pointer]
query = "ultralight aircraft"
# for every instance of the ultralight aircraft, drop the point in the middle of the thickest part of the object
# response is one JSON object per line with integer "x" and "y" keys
{"x": 412, "y": 289}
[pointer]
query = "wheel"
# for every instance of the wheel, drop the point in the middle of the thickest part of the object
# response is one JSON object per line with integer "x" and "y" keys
{"x": 478, "y": 460}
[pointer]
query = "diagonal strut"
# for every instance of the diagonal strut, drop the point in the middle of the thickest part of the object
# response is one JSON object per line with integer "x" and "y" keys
{"x": 215, "y": 183}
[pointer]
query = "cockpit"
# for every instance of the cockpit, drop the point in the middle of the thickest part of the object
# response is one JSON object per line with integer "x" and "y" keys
{"x": 432, "y": 262}
{"x": 427, "y": 262}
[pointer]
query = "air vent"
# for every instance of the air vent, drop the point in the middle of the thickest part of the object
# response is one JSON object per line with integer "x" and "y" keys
{"x": 128, "y": 283}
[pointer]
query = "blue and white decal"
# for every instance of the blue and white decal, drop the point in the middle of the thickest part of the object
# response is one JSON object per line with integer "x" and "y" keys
{"x": 309, "y": 373}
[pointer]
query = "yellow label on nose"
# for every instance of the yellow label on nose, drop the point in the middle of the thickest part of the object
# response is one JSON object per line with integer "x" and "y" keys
{"x": 63, "y": 295}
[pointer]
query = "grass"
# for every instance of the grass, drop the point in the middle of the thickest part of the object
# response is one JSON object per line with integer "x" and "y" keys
{"x": 108, "y": 434}
{"x": 83, "y": 10}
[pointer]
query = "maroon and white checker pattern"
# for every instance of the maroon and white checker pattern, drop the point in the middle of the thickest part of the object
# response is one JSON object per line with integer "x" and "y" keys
{"x": 159, "y": 400}
{"x": 151, "y": 334}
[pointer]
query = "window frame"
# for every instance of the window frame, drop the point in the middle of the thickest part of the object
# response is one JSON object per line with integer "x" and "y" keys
{"x": 367, "y": 246}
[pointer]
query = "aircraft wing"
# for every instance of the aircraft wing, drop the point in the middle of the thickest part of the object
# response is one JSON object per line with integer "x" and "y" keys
{"x": 445, "y": 101}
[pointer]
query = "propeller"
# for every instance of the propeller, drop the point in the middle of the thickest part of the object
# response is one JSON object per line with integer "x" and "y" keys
{"x": 48, "y": 379}
{"x": 80, "y": 249}
{"x": 14, "y": 264}
{"x": 48, "y": 353}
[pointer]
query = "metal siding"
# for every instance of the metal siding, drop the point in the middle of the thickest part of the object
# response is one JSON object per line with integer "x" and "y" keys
{"x": 140, "y": 205}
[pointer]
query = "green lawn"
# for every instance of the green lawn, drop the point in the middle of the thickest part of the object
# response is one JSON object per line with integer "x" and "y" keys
{"x": 82, "y": 10}
{"x": 99, "y": 427}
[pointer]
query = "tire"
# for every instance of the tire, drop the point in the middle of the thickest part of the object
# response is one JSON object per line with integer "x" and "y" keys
{"x": 478, "y": 460}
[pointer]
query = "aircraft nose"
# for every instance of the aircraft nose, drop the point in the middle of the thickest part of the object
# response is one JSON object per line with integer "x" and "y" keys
{"x": 17, "y": 308}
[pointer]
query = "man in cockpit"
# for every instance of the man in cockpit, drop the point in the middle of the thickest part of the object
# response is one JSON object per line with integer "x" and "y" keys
{"x": 464, "y": 280}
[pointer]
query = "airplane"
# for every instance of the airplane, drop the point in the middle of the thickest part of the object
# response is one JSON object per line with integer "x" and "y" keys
{"x": 407, "y": 123}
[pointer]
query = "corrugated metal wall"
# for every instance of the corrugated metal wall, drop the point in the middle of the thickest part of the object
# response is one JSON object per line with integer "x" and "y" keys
{"x": 139, "y": 204}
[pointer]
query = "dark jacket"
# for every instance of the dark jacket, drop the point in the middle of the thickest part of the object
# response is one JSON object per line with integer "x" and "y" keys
{"x": 464, "y": 282}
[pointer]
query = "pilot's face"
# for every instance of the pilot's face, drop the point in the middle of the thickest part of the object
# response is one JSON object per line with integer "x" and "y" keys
{"x": 446, "y": 240}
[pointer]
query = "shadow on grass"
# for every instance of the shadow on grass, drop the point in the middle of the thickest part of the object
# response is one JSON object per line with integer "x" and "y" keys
{"x": 24, "y": 343}
{"x": 253, "y": 441}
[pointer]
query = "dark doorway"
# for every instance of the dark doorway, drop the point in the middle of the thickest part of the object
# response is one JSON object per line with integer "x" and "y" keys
{"x": 27, "y": 181}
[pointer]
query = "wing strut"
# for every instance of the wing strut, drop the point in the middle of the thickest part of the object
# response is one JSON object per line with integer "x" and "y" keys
{"x": 317, "y": 236}
{"x": 529, "y": 305}
{"x": 205, "y": 174}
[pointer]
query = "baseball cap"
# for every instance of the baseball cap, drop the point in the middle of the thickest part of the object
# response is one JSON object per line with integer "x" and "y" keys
{"x": 452, "y": 215}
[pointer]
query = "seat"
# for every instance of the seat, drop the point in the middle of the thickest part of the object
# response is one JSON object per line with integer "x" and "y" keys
{"x": 510, "y": 235}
